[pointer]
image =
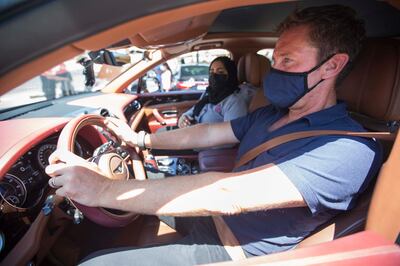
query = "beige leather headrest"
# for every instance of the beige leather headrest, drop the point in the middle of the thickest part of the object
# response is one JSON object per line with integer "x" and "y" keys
{"x": 252, "y": 69}
{"x": 372, "y": 88}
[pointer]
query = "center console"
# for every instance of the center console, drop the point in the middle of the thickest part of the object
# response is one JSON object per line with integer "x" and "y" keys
{"x": 164, "y": 166}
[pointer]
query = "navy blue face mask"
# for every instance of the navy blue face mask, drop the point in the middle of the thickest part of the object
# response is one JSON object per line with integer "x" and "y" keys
{"x": 283, "y": 88}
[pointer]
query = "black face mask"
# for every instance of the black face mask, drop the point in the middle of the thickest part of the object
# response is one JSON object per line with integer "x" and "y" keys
{"x": 218, "y": 88}
{"x": 283, "y": 89}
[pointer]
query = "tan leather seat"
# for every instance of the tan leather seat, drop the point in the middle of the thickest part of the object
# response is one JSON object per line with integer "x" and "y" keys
{"x": 379, "y": 99}
{"x": 372, "y": 93}
{"x": 252, "y": 68}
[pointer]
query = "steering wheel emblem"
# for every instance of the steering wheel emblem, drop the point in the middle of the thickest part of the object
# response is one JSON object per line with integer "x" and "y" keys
{"x": 113, "y": 166}
{"x": 118, "y": 170}
{"x": 116, "y": 165}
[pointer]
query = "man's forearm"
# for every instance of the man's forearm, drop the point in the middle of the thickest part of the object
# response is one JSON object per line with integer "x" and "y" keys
{"x": 172, "y": 196}
{"x": 197, "y": 136}
{"x": 211, "y": 193}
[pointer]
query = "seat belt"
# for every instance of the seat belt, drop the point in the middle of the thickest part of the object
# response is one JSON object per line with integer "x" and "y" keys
{"x": 228, "y": 239}
{"x": 272, "y": 143}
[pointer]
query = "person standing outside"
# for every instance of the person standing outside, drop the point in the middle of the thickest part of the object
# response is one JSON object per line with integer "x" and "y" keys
{"x": 165, "y": 77}
{"x": 48, "y": 79}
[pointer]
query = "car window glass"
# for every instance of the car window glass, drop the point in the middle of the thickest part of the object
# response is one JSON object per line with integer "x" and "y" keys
{"x": 267, "y": 53}
{"x": 183, "y": 73}
{"x": 72, "y": 77}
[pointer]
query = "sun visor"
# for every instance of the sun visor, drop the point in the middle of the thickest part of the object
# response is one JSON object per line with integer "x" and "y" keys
{"x": 175, "y": 33}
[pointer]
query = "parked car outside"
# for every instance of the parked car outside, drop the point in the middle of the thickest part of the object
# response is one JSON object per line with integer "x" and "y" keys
{"x": 191, "y": 77}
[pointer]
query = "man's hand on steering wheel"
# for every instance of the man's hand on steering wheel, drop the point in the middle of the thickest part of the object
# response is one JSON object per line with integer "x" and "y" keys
{"x": 122, "y": 130}
{"x": 85, "y": 182}
{"x": 76, "y": 178}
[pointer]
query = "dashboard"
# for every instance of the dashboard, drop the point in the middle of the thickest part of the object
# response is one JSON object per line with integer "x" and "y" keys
{"x": 26, "y": 142}
{"x": 24, "y": 188}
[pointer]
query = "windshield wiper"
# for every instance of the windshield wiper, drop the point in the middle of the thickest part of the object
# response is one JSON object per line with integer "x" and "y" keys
{"x": 24, "y": 109}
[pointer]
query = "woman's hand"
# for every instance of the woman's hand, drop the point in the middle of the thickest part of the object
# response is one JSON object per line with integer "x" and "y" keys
{"x": 122, "y": 130}
{"x": 185, "y": 121}
{"x": 76, "y": 178}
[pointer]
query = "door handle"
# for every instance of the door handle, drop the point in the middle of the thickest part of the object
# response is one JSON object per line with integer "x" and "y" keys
{"x": 158, "y": 117}
{"x": 169, "y": 113}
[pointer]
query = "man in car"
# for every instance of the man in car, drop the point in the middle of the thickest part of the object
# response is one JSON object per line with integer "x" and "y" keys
{"x": 276, "y": 200}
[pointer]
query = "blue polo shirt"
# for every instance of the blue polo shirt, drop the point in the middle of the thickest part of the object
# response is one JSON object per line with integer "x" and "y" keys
{"x": 329, "y": 172}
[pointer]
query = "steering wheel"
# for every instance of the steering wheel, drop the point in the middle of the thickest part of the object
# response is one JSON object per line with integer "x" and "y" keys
{"x": 112, "y": 164}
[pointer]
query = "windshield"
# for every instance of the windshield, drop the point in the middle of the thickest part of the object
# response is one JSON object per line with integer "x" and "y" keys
{"x": 82, "y": 74}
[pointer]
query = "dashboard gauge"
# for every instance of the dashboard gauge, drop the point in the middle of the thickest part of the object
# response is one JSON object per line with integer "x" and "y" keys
{"x": 44, "y": 153}
{"x": 46, "y": 150}
{"x": 13, "y": 190}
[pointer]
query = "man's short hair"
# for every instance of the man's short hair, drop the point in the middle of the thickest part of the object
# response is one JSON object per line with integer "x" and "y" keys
{"x": 333, "y": 29}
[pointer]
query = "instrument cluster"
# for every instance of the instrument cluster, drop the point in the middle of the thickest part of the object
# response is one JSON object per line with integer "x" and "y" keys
{"x": 23, "y": 185}
{"x": 24, "y": 188}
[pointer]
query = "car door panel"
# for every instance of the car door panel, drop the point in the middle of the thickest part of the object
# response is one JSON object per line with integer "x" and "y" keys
{"x": 162, "y": 109}
{"x": 166, "y": 114}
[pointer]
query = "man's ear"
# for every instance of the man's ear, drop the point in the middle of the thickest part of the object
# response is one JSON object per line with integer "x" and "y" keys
{"x": 334, "y": 65}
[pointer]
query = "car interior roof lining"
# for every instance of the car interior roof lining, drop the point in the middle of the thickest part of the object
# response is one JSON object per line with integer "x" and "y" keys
{"x": 265, "y": 18}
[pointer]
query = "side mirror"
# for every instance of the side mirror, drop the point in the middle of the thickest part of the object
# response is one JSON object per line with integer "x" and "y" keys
{"x": 109, "y": 58}
{"x": 148, "y": 55}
